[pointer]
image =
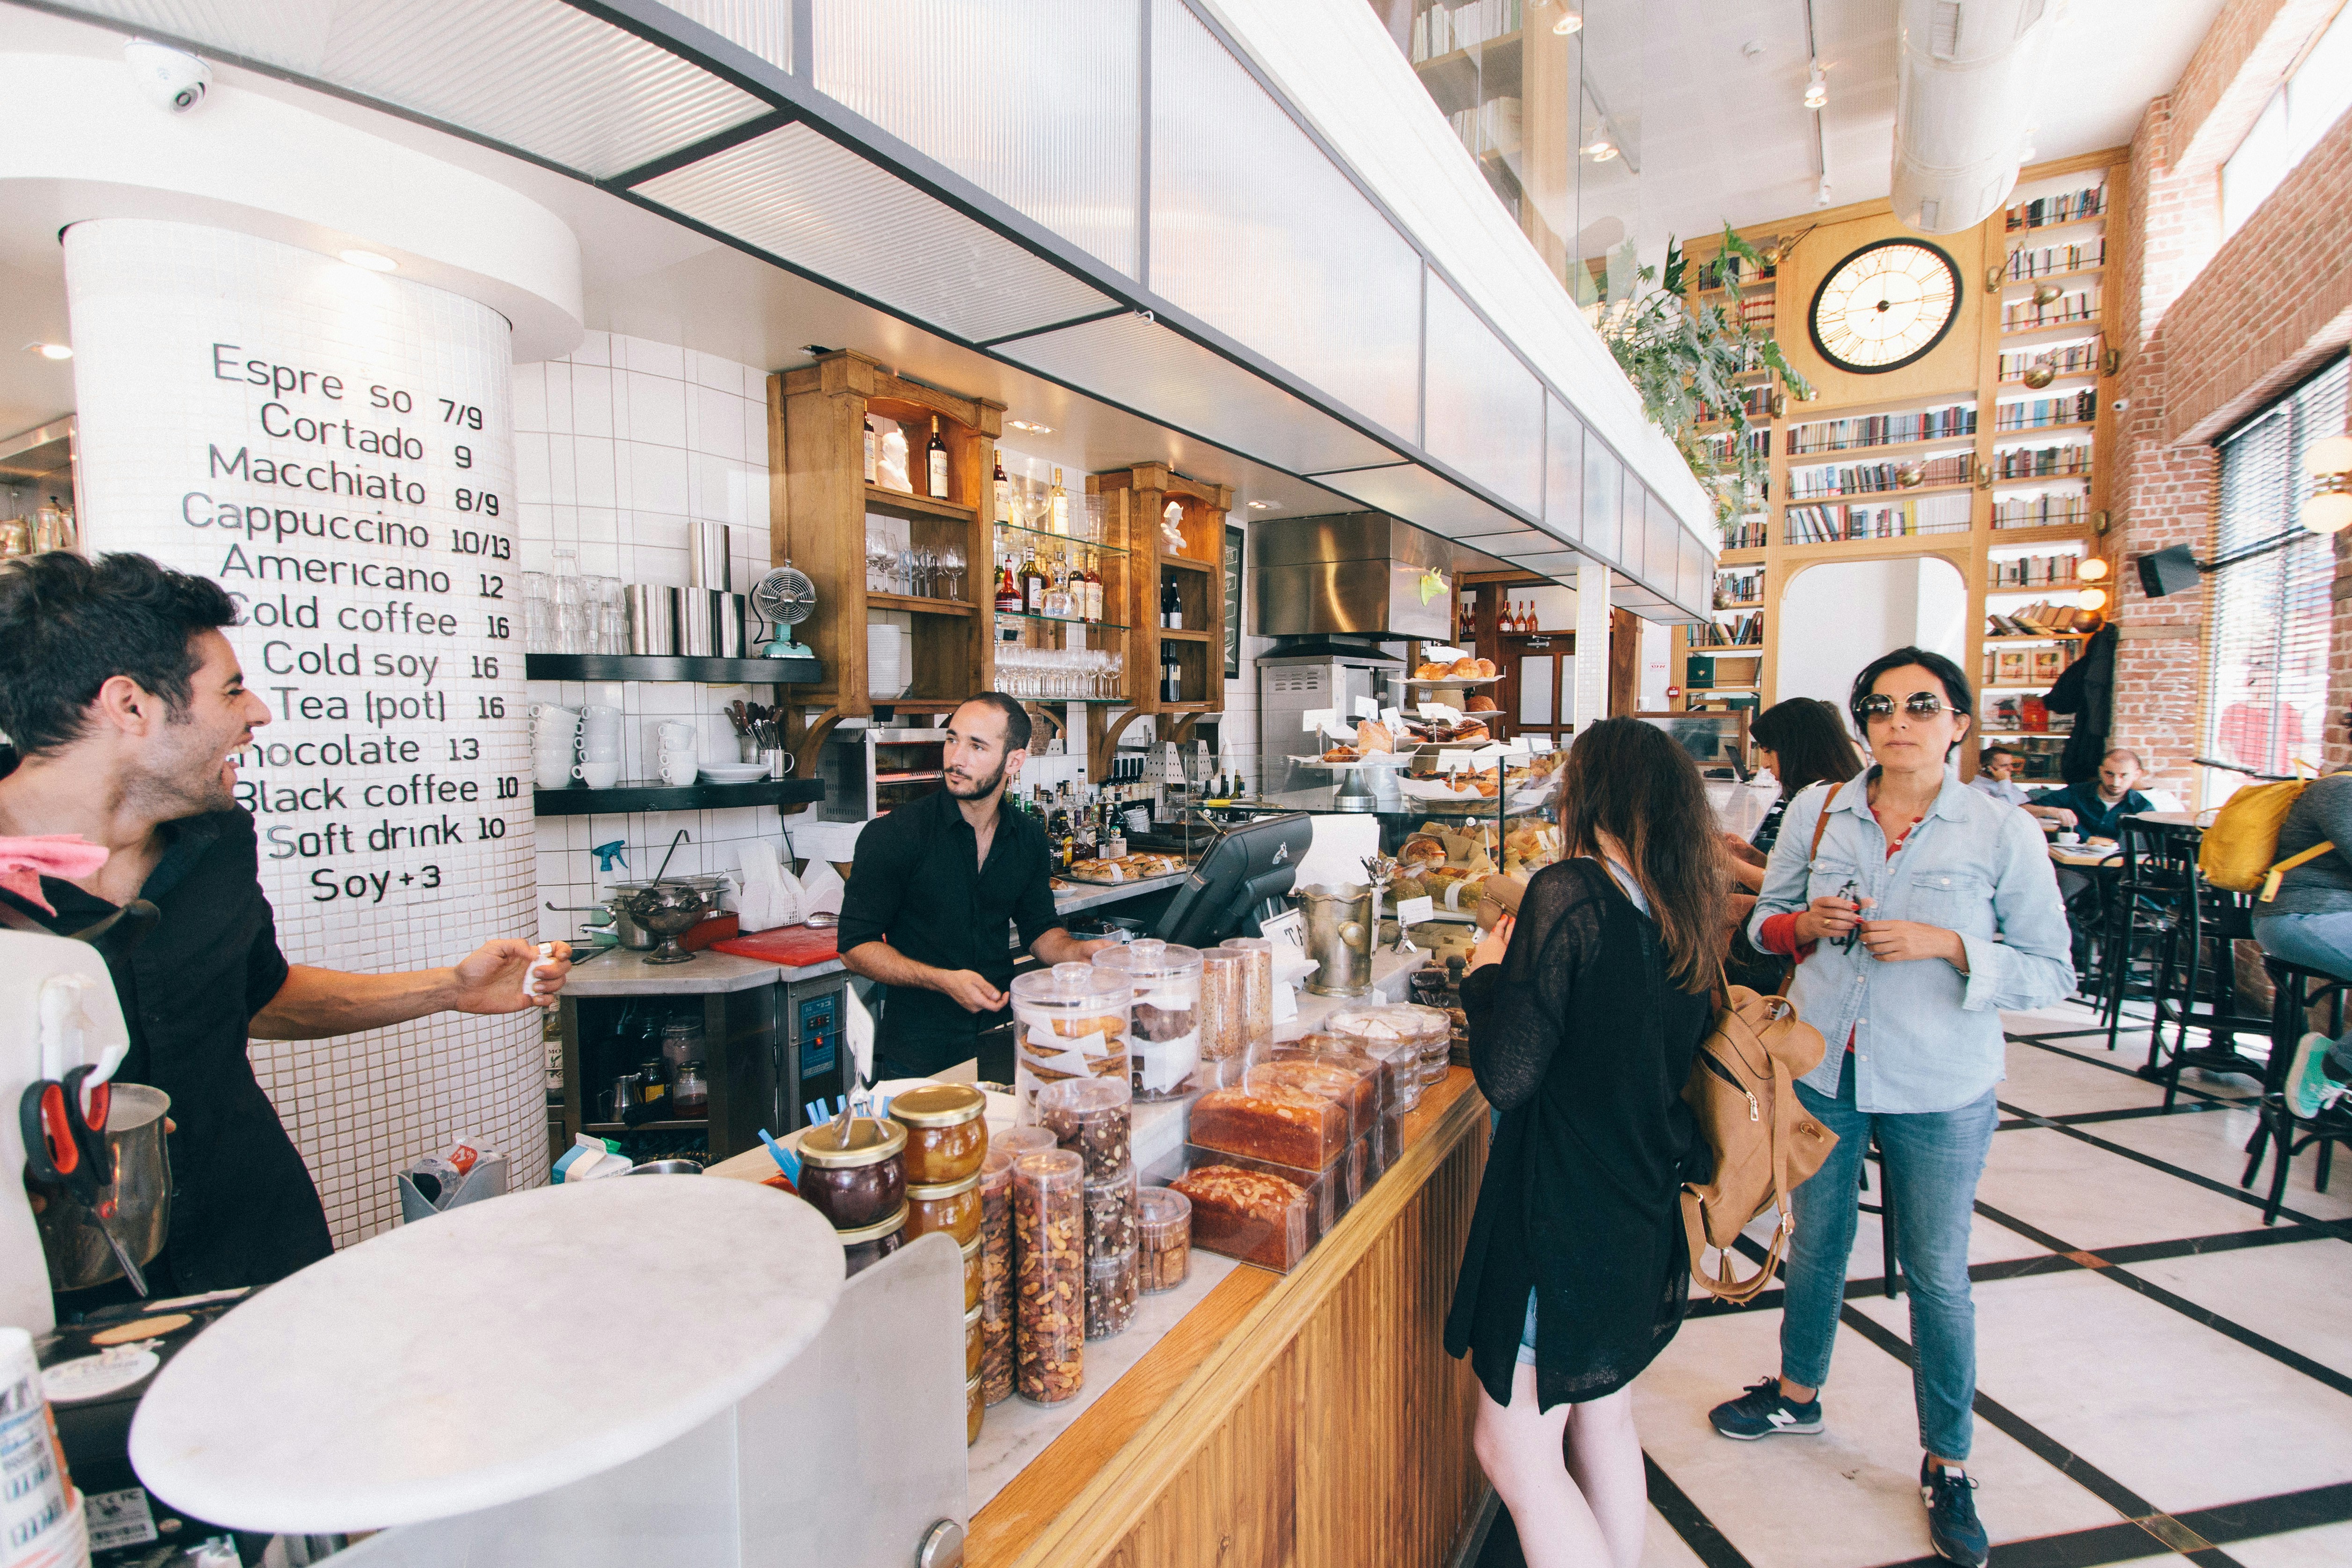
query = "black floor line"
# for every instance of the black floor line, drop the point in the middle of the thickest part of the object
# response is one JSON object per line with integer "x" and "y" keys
{"x": 2108, "y": 1064}
{"x": 1690, "y": 1521}
{"x": 2135, "y": 1113}
{"x": 2209, "y": 1184}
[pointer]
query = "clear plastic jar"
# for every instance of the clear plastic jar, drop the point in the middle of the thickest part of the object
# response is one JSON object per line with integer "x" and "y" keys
{"x": 1165, "y": 1039}
{"x": 1070, "y": 1023}
{"x": 1049, "y": 1275}
{"x": 1111, "y": 1216}
{"x": 859, "y": 1178}
{"x": 1018, "y": 1140}
{"x": 1257, "y": 987}
{"x": 975, "y": 1342}
{"x": 996, "y": 1271}
{"x": 871, "y": 1244}
{"x": 950, "y": 1207}
{"x": 1094, "y": 1117}
{"x": 1414, "y": 1037}
{"x": 1164, "y": 1239}
{"x": 945, "y": 1133}
{"x": 1111, "y": 1290}
{"x": 1224, "y": 1016}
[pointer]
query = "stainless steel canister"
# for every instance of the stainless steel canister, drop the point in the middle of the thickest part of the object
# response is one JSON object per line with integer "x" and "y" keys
{"x": 733, "y": 611}
{"x": 708, "y": 563}
{"x": 71, "y": 1237}
{"x": 696, "y": 625}
{"x": 653, "y": 617}
{"x": 1339, "y": 938}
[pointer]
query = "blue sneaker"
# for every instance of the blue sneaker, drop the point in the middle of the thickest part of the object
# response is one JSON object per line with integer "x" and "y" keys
{"x": 1764, "y": 1411}
{"x": 2310, "y": 1086}
{"x": 1953, "y": 1528}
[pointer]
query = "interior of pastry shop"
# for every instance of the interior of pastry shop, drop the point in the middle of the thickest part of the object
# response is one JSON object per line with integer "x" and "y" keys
{"x": 613, "y": 551}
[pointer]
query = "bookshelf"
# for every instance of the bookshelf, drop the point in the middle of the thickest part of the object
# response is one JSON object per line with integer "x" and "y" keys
{"x": 1989, "y": 451}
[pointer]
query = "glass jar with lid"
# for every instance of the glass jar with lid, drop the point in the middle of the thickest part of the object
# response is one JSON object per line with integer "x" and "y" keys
{"x": 945, "y": 1133}
{"x": 1070, "y": 1022}
{"x": 854, "y": 1177}
{"x": 1225, "y": 1052}
{"x": 1091, "y": 1115}
{"x": 682, "y": 1041}
{"x": 950, "y": 1207}
{"x": 1164, "y": 1033}
{"x": 974, "y": 1343}
{"x": 690, "y": 1096}
{"x": 975, "y": 1411}
{"x": 1257, "y": 987}
{"x": 975, "y": 1282}
{"x": 1164, "y": 1248}
{"x": 869, "y": 1245}
{"x": 1049, "y": 1275}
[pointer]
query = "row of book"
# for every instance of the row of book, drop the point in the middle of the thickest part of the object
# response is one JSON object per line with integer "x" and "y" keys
{"x": 2041, "y": 511}
{"x": 1758, "y": 312}
{"x": 1747, "y": 533}
{"x": 2049, "y": 258}
{"x": 2018, "y": 315}
{"x": 1882, "y": 429}
{"x": 2042, "y": 211}
{"x": 1441, "y": 30}
{"x": 2042, "y": 462}
{"x": 1731, "y": 268}
{"x": 1885, "y": 519}
{"x": 1722, "y": 448}
{"x": 1492, "y": 126}
{"x": 2035, "y": 414}
{"x": 2032, "y": 572}
{"x": 1744, "y": 587}
{"x": 2018, "y": 666}
{"x": 1740, "y": 631}
{"x": 2072, "y": 359}
{"x": 1863, "y": 479}
{"x": 2041, "y": 619}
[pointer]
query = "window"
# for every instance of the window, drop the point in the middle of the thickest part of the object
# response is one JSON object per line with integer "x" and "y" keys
{"x": 2267, "y": 683}
{"x": 2290, "y": 125}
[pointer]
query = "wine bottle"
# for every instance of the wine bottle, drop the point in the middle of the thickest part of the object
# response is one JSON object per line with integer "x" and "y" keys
{"x": 1008, "y": 592}
{"x": 1172, "y": 605}
{"x": 938, "y": 459}
{"x": 1002, "y": 486}
{"x": 1171, "y": 675}
{"x": 1058, "y": 509}
{"x": 873, "y": 451}
{"x": 1094, "y": 589}
{"x": 1033, "y": 584}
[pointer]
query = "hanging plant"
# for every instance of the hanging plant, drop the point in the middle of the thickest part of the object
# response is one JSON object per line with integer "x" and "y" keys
{"x": 1684, "y": 360}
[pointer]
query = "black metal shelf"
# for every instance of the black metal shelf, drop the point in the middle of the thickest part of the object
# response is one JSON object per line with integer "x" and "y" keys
{"x": 580, "y": 801}
{"x": 661, "y": 666}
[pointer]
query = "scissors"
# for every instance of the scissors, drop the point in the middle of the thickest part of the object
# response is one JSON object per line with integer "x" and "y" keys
{"x": 64, "y": 1125}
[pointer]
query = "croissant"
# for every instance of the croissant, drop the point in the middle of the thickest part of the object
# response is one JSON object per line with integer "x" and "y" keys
{"x": 1372, "y": 735}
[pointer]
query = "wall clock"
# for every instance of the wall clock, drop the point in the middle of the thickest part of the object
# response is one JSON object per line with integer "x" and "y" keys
{"x": 1885, "y": 306}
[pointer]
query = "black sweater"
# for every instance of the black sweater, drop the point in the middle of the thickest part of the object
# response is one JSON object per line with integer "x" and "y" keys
{"x": 1582, "y": 1042}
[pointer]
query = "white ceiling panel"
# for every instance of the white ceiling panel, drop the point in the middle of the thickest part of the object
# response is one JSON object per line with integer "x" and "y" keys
{"x": 1418, "y": 495}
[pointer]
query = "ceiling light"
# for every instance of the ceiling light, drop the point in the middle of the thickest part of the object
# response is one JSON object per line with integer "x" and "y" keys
{"x": 1033, "y": 429}
{"x": 51, "y": 350}
{"x": 2092, "y": 570}
{"x": 1600, "y": 152}
{"x": 1817, "y": 88}
{"x": 370, "y": 261}
{"x": 1569, "y": 22}
{"x": 1261, "y": 505}
{"x": 2092, "y": 599}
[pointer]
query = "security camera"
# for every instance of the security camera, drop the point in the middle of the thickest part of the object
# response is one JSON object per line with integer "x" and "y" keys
{"x": 172, "y": 79}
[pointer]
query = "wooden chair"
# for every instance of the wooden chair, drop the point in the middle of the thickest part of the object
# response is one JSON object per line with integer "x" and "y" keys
{"x": 2196, "y": 984}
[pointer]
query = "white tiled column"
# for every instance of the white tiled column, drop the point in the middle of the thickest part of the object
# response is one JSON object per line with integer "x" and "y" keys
{"x": 1592, "y": 643}
{"x": 335, "y": 448}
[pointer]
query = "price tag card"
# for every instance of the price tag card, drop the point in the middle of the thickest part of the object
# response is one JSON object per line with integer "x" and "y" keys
{"x": 1452, "y": 762}
{"x": 1411, "y": 911}
{"x": 1516, "y": 746}
{"x": 1393, "y": 719}
{"x": 1541, "y": 743}
{"x": 1288, "y": 928}
{"x": 1365, "y": 707}
{"x": 1437, "y": 653}
{"x": 1318, "y": 718}
{"x": 1490, "y": 751}
{"x": 1438, "y": 710}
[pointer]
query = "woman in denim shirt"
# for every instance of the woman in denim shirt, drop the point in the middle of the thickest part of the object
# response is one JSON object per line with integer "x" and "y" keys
{"x": 1927, "y": 909}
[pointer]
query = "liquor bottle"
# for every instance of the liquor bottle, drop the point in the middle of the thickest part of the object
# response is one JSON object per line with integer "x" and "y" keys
{"x": 1469, "y": 621}
{"x": 873, "y": 452}
{"x": 1058, "y": 509}
{"x": 1094, "y": 588}
{"x": 1057, "y": 590}
{"x": 1083, "y": 827}
{"x": 1172, "y": 607}
{"x": 1171, "y": 675}
{"x": 1002, "y": 486}
{"x": 1008, "y": 592}
{"x": 937, "y": 458}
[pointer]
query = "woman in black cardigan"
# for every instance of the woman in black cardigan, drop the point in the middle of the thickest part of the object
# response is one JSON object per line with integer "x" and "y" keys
{"x": 1585, "y": 1014}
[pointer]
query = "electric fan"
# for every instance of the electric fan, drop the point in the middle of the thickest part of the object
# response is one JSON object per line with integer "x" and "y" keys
{"x": 783, "y": 599}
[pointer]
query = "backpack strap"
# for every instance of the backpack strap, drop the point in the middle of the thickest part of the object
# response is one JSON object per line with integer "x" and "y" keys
{"x": 2271, "y": 882}
{"x": 1821, "y": 826}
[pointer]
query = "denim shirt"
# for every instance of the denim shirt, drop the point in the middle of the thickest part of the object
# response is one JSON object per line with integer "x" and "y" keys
{"x": 1925, "y": 1037}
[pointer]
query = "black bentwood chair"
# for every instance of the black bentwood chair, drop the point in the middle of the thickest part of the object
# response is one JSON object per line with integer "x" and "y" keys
{"x": 2196, "y": 973}
{"x": 2143, "y": 906}
{"x": 2295, "y": 990}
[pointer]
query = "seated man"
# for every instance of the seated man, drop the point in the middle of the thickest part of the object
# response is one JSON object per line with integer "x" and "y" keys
{"x": 1996, "y": 776}
{"x": 2309, "y": 922}
{"x": 2097, "y": 806}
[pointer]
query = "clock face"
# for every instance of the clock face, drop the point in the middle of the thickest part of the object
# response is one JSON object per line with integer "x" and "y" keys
{"x": 1885, "y": 306}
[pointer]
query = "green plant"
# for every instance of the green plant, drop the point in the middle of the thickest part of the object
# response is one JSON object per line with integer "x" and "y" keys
{"x": 1685, "y": 362}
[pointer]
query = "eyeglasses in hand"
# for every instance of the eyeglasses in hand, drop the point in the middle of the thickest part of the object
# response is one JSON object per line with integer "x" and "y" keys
{"x": 1920, "y": 705}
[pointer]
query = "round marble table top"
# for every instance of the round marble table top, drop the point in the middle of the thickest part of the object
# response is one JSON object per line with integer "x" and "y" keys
{"x": 489, "y": 1353}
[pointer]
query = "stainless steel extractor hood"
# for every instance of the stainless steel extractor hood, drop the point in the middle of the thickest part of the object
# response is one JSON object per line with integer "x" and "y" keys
{"x": 1363, "y": 572}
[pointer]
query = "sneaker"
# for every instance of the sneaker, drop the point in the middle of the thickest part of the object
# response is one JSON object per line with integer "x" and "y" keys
{"x": 1764, "y": 1411}
{"x": 1953, "y": 1528}
{"x": 2310, "y": 1088}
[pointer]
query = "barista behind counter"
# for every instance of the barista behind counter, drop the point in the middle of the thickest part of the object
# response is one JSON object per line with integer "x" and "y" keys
{"x": 932, "y": 888}
{"x": 127, "y": 708}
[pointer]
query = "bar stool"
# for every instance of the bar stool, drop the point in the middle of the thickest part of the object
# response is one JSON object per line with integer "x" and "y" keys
{"x": 2190, "y": 993}
{"x": 2141, "y": 914}
{"x": 1891, "y": 1284}
{"x": 2294, "y": 990}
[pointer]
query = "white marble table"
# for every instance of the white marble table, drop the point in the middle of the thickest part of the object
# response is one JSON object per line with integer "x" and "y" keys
{"x": 487, "y": 1354}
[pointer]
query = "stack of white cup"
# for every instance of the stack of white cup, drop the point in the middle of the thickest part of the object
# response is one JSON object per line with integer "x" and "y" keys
{"x": 554, "y": 739}
{"x": 677, "y": 759}
{"x": 600, "y": 747}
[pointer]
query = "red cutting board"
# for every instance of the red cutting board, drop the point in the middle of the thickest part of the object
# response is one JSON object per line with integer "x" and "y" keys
{"x": 792, "y": 946}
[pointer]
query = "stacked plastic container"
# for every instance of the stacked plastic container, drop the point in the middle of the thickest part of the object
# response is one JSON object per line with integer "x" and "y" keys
{"x": 1164, "y": 1037}
{"x": 1070, "y": 1023}
{"x": 1093, "y": 1119}
{"x": 944, "y": 1156}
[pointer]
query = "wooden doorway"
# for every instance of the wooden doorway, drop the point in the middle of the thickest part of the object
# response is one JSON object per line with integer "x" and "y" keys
{"x": 1537, "y": 694}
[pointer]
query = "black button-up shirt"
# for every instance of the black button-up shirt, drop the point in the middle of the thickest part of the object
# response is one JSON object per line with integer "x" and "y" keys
{"x": 243, "y": 1209}
{"x": 918, "y": 884}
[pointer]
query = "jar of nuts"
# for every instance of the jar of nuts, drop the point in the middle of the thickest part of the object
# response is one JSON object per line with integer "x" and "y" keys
{"x": 1049, "y": 1275}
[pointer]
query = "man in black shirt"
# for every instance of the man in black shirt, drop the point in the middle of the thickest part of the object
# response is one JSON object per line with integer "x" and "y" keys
{"x": 124, "y": 708}
{"x": 934, "y": 886}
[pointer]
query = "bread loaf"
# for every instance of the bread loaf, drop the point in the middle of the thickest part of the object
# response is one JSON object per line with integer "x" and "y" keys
{"x": 1272, "y": 1122}
{"x": 1249, "y": 1215}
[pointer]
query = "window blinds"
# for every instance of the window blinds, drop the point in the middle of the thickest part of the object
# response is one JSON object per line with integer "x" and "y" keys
{"x": 2266, "y": 682}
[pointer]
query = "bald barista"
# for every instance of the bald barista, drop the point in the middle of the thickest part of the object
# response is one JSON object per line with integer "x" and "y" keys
{"x": 125, "y": 709}
{"x": 933, "y": 889}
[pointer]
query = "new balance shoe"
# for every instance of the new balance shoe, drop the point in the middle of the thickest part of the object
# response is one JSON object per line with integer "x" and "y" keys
{"x": 2310, "y": 1086}
{"x": 1953, "y": 1528}
{"x": 1765, "y": 1412}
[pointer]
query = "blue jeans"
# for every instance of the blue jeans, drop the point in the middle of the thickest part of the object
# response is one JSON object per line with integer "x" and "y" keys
{"x": 1933, "y": 1159}
{"x": 2316, "y": 942}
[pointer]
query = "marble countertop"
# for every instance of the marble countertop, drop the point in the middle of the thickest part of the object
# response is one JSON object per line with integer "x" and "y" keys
{"x": 618, "y": 972}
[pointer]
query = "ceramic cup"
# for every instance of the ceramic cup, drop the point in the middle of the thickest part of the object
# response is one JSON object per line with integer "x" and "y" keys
{"x": 678, "y": 767}
{"x": 599, "y": 775}
{"x": 551, "y": 769}
{"x": 677, "y": 735}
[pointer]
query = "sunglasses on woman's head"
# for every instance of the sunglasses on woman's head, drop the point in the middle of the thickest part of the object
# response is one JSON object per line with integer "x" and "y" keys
{"x": 1920, "y": 705}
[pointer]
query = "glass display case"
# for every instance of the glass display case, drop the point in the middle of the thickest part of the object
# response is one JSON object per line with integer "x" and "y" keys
{"x": 1717, "y": 740}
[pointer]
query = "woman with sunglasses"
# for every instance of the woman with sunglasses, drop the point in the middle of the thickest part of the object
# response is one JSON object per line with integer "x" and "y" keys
{"x": 1926, "y": 909}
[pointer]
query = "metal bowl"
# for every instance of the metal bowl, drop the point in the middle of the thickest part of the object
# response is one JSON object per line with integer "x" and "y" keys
{"x": 669, "y": 908}
{"x": 668, "y": 1168}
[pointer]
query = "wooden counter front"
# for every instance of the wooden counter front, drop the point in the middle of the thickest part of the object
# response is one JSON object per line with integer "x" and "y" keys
{"x": 1307, "y": 1418}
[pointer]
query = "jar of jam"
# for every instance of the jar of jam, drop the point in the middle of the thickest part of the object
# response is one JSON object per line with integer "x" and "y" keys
{"x": 856, "y": 1178}
{"x": 974, "y": 1411}
{"x": 974, "y": 1340}
{"x": 950, "y": 1206}
{"x": 975, "y": 1274}
{"x": 945, "y": 1134}
{"x": 871, "y": 1244}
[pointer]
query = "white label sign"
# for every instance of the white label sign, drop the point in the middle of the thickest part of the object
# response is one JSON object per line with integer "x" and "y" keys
{"x": 1452, "y": 762}
{"x": 1315, "y": 719}
{"x": 1365, "y": 707}
{"x": 1411, "y": 911}
{"x": 1539, "y": 742}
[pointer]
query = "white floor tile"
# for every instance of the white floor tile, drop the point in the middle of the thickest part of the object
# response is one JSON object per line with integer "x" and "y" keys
{"x": 2213, "y": 1143}
{"x": 2329, "y": 1546}
{"x": 2090, "y": 1198}
{"x": 2051, "y": 1084}
{"x": 2293, "y": 1293}
{"x": 1662, "y": 1548}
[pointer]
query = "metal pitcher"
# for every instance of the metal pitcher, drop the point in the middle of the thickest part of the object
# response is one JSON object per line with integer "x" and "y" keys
{"x": 76, "y": 1245}
{"x": 1339, "y": 938}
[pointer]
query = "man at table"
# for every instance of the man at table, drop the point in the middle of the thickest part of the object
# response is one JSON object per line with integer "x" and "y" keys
{"x": 126, "y": 709}
{"x": 1996, "y": 776}
{"x": 935, "y": 887}
{"x": 2097, "y": 806}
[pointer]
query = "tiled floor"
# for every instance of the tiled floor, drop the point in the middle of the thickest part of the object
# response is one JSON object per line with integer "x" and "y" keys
{"x": 2190, "y": 1395}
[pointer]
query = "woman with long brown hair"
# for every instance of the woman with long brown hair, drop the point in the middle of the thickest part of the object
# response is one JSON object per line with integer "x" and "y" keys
{"x": 1585, "y": 1015}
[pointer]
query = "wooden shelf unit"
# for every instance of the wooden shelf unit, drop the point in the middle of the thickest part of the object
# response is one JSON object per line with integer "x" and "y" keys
{"x": 1963, "y": 368}
{"x": 818, "y": 503}
{"x": 1134, "y": 503}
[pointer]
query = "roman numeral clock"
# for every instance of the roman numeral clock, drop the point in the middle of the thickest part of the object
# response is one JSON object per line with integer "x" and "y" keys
{"x": 1885, "y": 306}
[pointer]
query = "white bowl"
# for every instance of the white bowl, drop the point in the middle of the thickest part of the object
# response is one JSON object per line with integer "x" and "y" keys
{"x": 734, "y": 772}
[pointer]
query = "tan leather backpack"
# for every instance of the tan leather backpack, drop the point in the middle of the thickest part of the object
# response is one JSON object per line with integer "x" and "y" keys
{"x": 1743, "y": 1090}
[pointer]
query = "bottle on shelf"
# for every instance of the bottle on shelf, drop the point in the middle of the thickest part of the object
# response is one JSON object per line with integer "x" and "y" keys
{"x": 873, "y": 452}
{"x": 1033, "y": 584}
{"x": 1002, "y": 489}
{"x": 1171, "y": 675}
{"x": 1094, "y": 587}
{"x": 1008, "y": 592}
{"x": 1172, "y": 605}
{"x": 1469, "y": 622}
{"x": 1057, "y": 507}
{"x": 936, "y": 463}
